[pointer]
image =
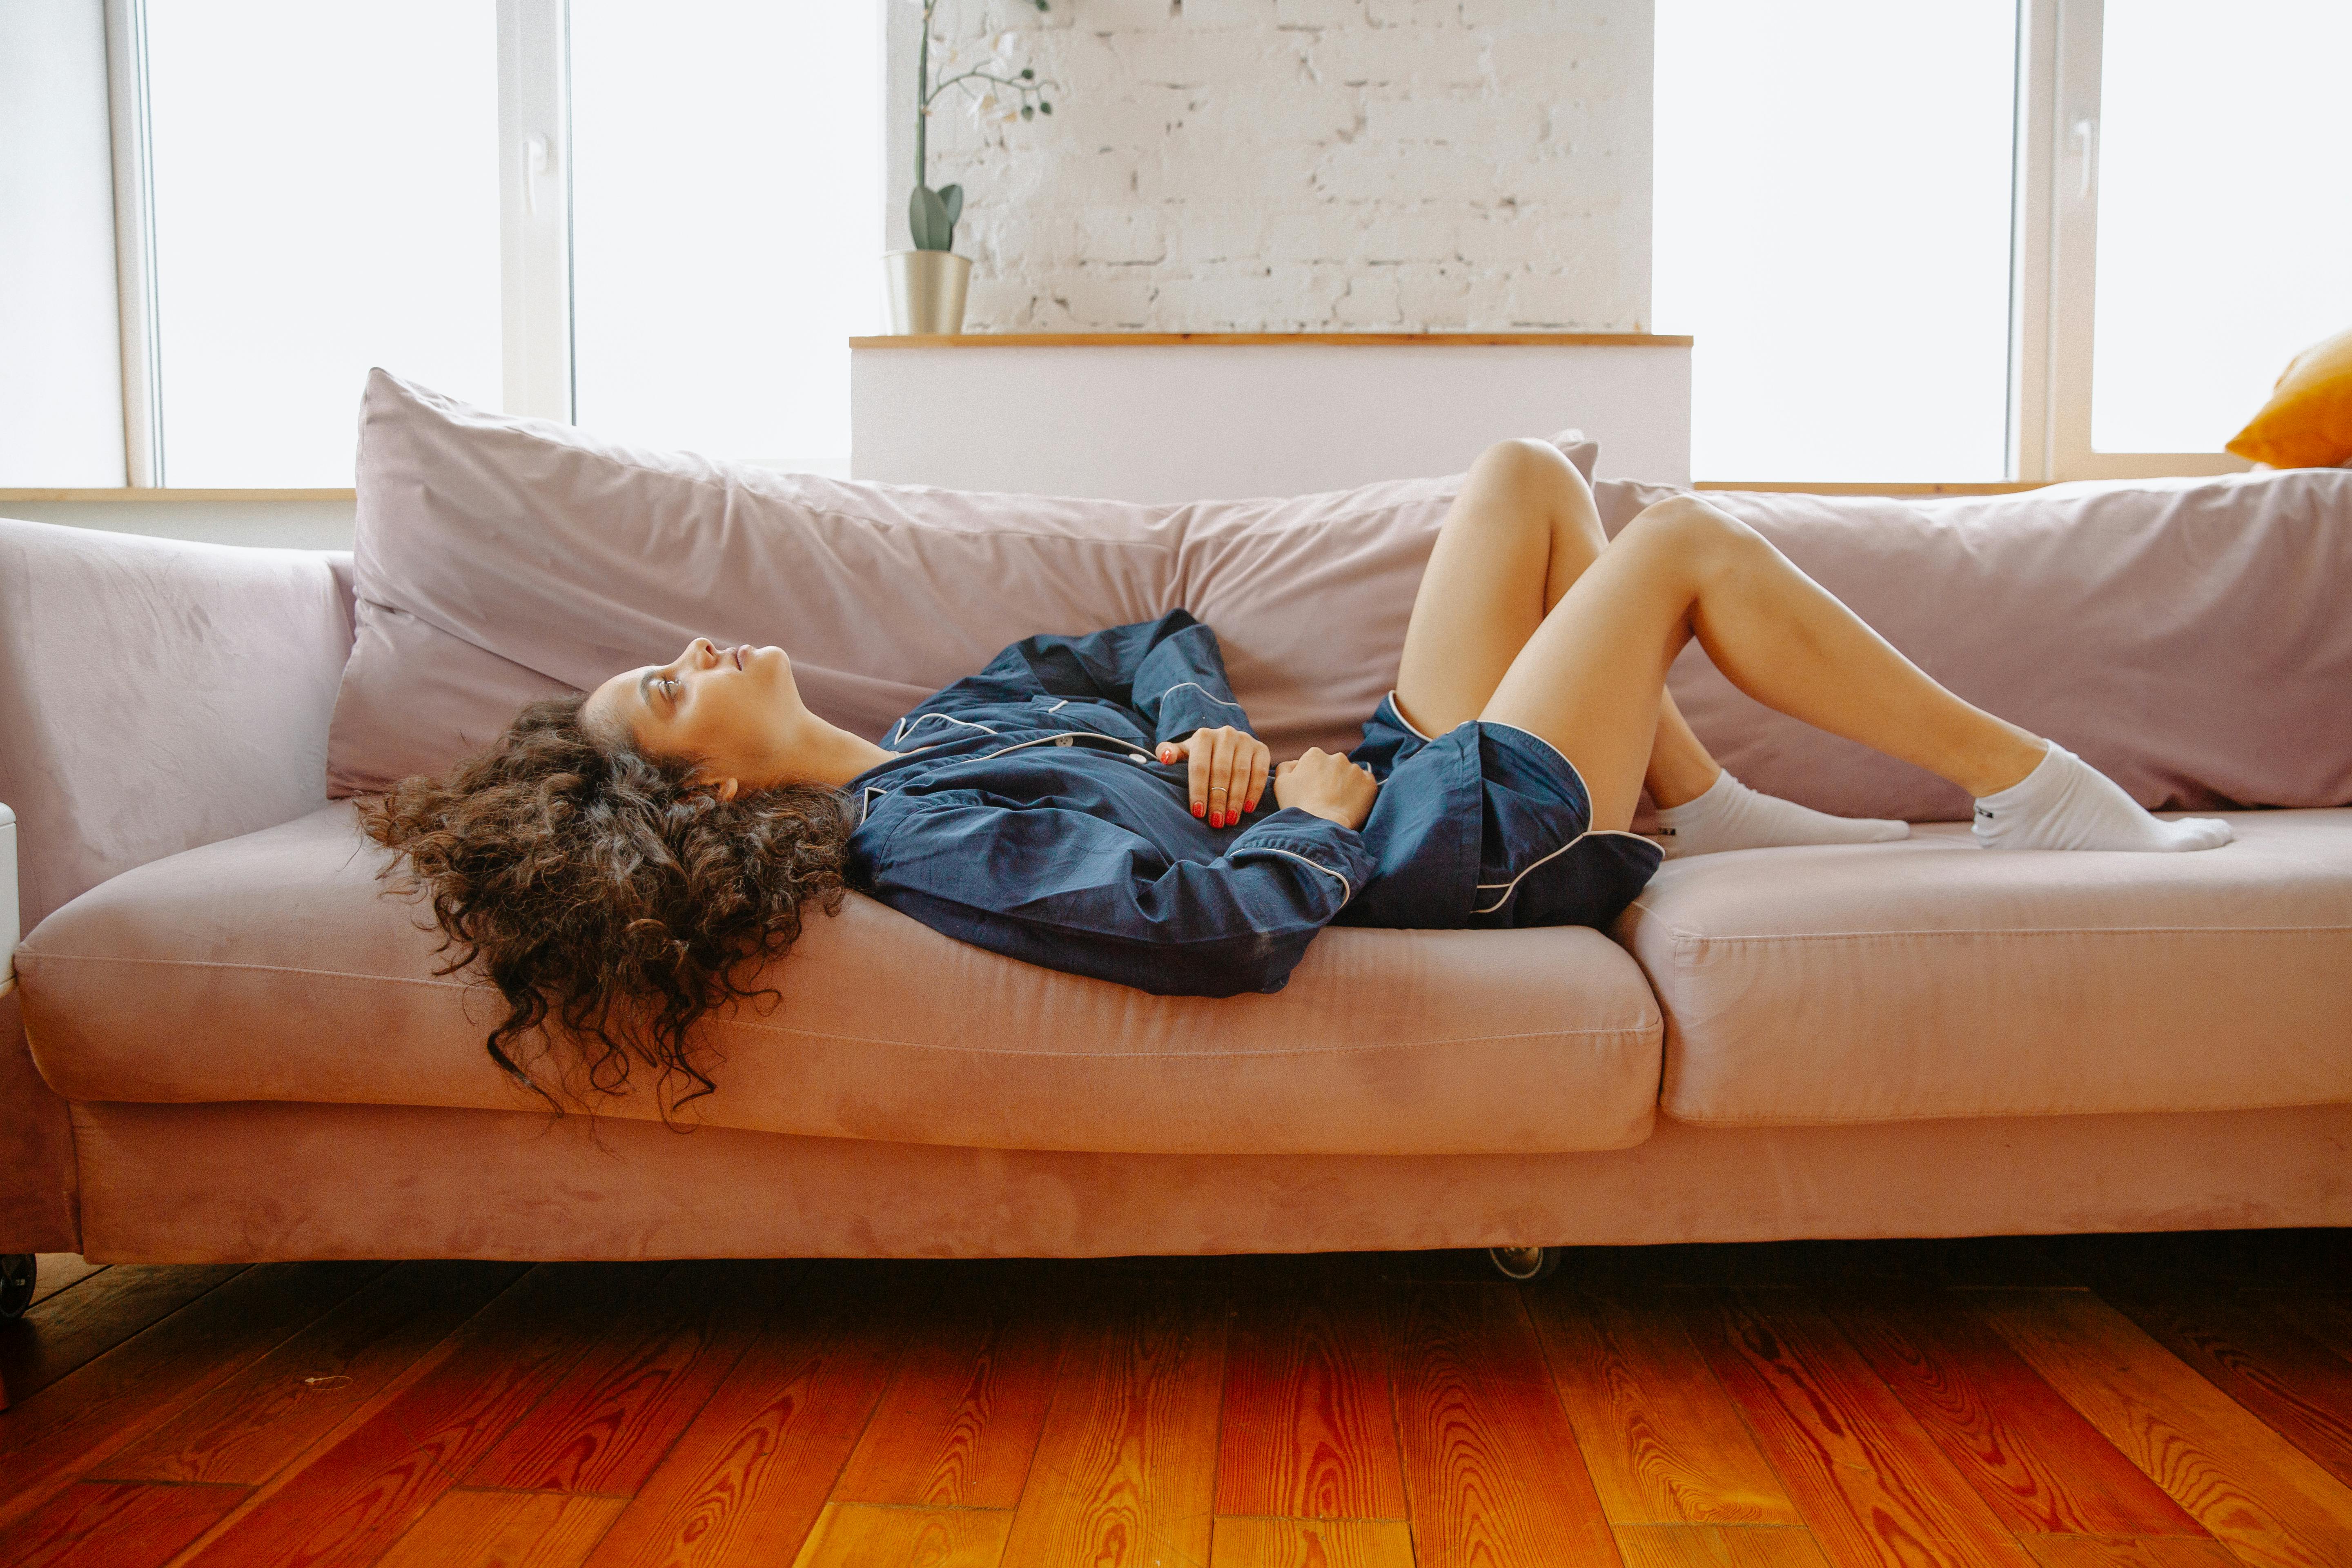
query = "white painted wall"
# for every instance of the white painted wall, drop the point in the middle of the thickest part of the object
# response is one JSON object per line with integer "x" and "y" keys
{"x": 1196, "y": 421}
{"x": 61, "y": 356}
{"x": 1297, "y": 165}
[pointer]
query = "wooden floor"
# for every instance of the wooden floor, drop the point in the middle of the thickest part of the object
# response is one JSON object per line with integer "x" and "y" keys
{"x": 2156, "y": 1402}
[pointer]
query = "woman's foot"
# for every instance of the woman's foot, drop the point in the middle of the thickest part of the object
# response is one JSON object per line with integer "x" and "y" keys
{"x": 1730, "y": 816}
{"x": 2066, "y": 803}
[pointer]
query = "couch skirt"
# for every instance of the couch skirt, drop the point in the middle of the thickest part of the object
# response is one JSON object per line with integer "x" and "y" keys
{"x": 258, "y": 1181}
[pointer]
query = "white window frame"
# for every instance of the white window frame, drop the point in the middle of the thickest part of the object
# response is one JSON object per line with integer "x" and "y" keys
{"x": 2053, "y": 276}
{"x": 535, "y": 221}
{"x": 2054, "y": 284}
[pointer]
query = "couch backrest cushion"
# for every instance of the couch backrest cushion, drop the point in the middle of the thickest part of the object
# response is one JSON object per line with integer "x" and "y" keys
{"x": 501, "y": 558}
{"x": 2192, "y": 638}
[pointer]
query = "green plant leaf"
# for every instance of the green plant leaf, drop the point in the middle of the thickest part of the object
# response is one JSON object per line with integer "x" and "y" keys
{"x": 1026, "y": 112}
{"x": 951, "y": 198}
{"x": 1026, "y": 73}
{"x": 927, "y": 220}
{"x": 1045, "y": 107}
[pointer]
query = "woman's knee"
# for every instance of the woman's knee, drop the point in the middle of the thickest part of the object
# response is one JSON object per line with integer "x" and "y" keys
{"x": 1692, "y": 529}
{"x": 1529, "y": 463}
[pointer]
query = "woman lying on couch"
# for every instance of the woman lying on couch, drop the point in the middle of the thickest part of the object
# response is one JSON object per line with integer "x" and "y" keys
{"x": 1098, "y": 803}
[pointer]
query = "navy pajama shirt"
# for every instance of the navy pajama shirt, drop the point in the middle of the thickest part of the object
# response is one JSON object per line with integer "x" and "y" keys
{"x": 1029, "y": 813}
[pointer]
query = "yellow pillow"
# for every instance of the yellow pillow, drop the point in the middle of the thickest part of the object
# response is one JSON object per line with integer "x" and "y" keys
{"x": 2307, "y": 423}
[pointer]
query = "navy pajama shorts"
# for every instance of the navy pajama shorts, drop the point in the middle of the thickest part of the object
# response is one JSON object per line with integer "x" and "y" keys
{"x": 1486, "y": 826}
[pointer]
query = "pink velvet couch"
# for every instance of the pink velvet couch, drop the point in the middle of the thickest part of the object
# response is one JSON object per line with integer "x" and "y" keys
{"x": 226, "y": 1044}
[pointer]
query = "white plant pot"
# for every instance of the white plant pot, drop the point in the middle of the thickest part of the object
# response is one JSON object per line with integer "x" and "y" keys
{"x": 926, "y": 290}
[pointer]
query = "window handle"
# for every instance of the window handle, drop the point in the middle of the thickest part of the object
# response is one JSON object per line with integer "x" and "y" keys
{"x": 2086, "y": 139}
{"x": 534, "y": 164}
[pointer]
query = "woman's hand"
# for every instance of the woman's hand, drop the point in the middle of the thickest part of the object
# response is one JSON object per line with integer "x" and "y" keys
{"x": 1329, "y": 786}
{"x": 1229, "y": 771}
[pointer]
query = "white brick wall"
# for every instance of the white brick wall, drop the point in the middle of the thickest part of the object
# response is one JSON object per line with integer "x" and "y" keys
{"x": 1297, "y": 165}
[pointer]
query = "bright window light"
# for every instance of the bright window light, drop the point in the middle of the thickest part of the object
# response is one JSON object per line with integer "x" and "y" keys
{"x": 326, "y": 198}
{"x": 1832, "y": 224}
{"x": 2225, "y": 230}
{"x": 726, "y": 222}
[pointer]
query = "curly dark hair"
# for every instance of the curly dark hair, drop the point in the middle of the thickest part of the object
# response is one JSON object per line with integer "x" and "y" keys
{"x": 606, "y": 896}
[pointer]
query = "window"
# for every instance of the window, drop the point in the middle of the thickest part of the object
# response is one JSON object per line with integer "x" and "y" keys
{"x": 2202, "y": 233}
{"x": 662, "y": 220}
{"x": 324, "y": 198}
{"x": 726, "y": 200}
{"x": 1994, "y": 238}
{"x": 1833, "y": 225}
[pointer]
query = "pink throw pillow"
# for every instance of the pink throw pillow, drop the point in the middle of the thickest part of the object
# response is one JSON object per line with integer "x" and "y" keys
{"x": 501, "y": 558}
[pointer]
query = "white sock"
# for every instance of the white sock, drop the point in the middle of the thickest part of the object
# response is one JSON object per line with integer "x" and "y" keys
{"x": 2066, "y": 803}
{"x": 1730, "y": 816}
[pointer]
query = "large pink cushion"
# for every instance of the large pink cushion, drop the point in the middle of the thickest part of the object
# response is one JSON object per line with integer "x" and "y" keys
{"x": 1931, "y": 979}
{"x": 272, "y": 967}
{"x": 2190, "y": 638}
{"x": 502, "y": 559}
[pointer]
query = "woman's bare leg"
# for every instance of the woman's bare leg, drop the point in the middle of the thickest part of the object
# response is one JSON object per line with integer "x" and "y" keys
{"x": 1520, "y": 533}
{"x": 1592, "y": 677}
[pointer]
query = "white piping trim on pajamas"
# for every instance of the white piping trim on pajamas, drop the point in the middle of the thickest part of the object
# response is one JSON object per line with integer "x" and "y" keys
{"x": 1395, "y": 708}
{"x": 1506, "y": 887}
{"x": 1270, "y": 849}
{"x": 1207, "y": 693}
{"x": 1133, "y": 749}
{"x": 906, "y": 725}
{"x": 865, "y": 803}
{"x": 1058, "y": 707}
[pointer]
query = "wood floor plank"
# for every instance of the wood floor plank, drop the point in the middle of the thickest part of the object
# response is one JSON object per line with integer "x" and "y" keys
{"x": 56, "y": 1270}
{"x": 960, "y": 1418}
{"x": 1126, "y": 1468}
{"x": 1491, "y": 1470}
{"x": 748, "y": 1477}
{"x": 615, "y": 1414}
{"x": 73, "y": 1327}
{"x": 1872, "y": 1486}
{"x": 504, "y": 1530}
{"x": 352, "y": 1498}
{"x": 1311, "y": 1544}
{"x": 2321, "y": 1317}
{"x": 865, "y": 1535}
{"x": 1665, "y": 1444}
{"x": 114, "y": 1525}
{"x": 2030, "y": 1454}
{"x": 53, "y": 1439}
{"x": 253, "y": 1424}
{"x": 2300, "y": 1388}
{"x": 1309, "y": 1430}
{"x": 2106, "y": 1551}
{"x": 2263, "y": 1497}
{"x": 1715, "y": 1546}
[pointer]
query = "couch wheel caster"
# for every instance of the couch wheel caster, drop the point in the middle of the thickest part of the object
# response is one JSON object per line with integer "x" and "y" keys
{"x": 18, "y": 1273}
{"x": 1526, "y": 1263}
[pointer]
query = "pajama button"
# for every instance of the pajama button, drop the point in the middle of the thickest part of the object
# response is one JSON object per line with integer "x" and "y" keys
{"x": 1062, "y": 740}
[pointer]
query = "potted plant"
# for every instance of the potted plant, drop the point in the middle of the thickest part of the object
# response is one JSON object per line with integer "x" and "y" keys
{"x": 926, "y": 285}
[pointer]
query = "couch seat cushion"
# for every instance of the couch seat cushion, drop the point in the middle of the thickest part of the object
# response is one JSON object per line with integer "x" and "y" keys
{"x": 271, "y": 967}
{"x": 1930, "y": 978}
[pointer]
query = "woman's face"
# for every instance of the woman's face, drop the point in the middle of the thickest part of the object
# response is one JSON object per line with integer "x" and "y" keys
{"x": 735, "y": 710}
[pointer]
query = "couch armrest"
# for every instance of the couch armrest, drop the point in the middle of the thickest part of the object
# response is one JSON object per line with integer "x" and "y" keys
{"x": 39, "y": 1211}
{"x": 11, "y": 928}
{"x": 157, "y": 694}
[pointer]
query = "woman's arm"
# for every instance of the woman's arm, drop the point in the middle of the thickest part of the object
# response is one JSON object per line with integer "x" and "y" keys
{"x": 1072, "y": 891}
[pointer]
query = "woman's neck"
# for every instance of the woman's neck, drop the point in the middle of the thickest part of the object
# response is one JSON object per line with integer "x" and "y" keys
{"x": 832, "y": 756}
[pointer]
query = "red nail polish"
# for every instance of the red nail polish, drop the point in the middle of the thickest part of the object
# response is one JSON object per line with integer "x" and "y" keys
{"x": 1200, "y": 810}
